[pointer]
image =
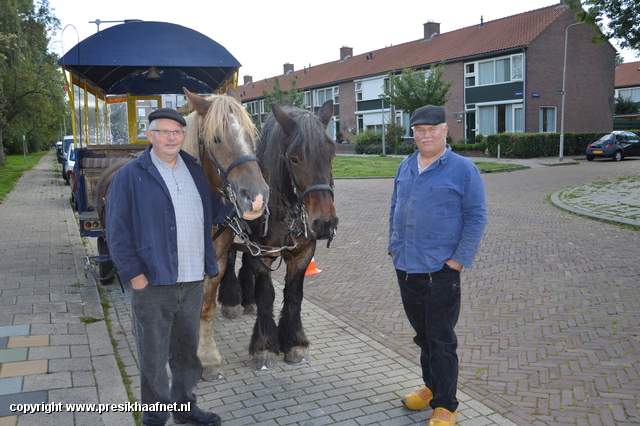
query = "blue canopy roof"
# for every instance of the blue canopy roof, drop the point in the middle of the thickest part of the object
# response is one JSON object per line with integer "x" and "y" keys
{"x": 118, "y": 58}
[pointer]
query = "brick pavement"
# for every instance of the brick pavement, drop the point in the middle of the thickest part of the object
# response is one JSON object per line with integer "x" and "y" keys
{"x": 50, "y": 351}
{"x": 549, "y": 328}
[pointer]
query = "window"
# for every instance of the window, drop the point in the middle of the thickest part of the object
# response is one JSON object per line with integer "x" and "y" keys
{"x": 470, "y": 75}
{"x": 358, "y": 91}
{"x": 169, "y": 104}
{"x": 501, "y": 118}
{"x": 547, "y": 119}
{"x": 141, "y": 112}
{"x": 307, "y": 100}
{"x": 323, "y": 95}
{"x": 501, "y": 70}
{"x": 251, "y": 107}
{"x": 633, "y": 94}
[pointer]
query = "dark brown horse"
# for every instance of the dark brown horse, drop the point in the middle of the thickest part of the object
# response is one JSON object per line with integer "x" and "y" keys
{"x": 295, "y": 154}
{"x": 221, "y": 135}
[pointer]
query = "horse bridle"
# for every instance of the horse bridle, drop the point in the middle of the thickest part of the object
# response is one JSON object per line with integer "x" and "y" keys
{"x": 300, "y": 209}
{"x": 233, "y": 221}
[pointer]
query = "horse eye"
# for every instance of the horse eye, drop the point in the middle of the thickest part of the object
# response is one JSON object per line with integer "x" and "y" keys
{"x": 294, "y": 160}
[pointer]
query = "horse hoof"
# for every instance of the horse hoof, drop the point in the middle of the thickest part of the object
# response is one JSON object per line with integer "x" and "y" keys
{"x": 297, "y": 355}
{"x": 264, "y": 360}
{"x": 210, "y": 374}
{"x": 251, "y": 309}
{"x": 231, "y": 312}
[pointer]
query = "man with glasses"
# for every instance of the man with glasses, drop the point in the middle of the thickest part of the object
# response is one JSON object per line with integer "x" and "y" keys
{"x": 159, "y": 216}
{"x": 437, "y": 219}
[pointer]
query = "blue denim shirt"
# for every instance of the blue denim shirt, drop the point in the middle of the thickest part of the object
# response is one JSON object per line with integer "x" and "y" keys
{"x": 141, "y": 221}
{"x": 436, "y": 215}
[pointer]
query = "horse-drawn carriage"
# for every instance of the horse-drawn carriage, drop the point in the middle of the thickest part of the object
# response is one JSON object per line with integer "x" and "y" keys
{"x": 281, "y": 193}
{"x": 114, "y": 79}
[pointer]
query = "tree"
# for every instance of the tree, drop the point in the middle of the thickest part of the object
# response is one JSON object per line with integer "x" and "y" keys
{"x": 621, "y": 15}
{"x": 413, "y": 89}
{"x": 625, "y": 106}
{"x": 31, "y": 97}
{"x": 292, "y": 97}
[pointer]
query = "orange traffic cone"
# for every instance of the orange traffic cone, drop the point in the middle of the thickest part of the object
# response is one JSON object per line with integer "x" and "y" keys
{"x": 312, "y": 268}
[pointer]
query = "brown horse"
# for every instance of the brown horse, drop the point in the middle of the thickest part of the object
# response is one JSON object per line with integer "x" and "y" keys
{"x": 221, "y": 135}
{"x": 295, "y": 153}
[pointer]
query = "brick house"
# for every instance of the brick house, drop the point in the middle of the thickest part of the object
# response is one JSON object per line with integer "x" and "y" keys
{"x": 507, "y": 77}
{"x": 628, "y": 87}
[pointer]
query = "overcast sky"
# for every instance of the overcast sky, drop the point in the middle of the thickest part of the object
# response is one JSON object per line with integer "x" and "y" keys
{"x": 264, "y": 35}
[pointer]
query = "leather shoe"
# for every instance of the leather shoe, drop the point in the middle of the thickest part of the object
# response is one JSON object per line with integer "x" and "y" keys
{"x": 442, "y": 417}
{"x": 418, "y": 400}
{"x": 197, "y": 417}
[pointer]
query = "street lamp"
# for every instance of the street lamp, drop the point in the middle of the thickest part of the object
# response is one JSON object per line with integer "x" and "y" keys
{"x": 384, "y": 153}
{"x": 564, "y": 80}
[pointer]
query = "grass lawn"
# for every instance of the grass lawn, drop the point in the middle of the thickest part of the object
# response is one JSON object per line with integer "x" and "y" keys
{"x": 10, "y": 174}
{"x": 375, "y": 166}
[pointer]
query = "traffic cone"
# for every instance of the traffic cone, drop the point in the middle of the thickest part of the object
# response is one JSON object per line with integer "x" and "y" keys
{"x": 312, "y": 268}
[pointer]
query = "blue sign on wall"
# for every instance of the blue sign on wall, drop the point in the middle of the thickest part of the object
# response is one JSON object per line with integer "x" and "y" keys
{"x": 535, "y": 95}
{"x": 518, "y": 94}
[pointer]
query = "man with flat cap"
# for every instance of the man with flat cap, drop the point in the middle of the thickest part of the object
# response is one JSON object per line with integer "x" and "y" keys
{"x": 159, "y": 217}
{"x": 436, "y": 222}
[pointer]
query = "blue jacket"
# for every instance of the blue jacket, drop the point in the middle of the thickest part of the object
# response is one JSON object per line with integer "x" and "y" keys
{"x": 437, "y": 215}
{"x": 141, "y": 222}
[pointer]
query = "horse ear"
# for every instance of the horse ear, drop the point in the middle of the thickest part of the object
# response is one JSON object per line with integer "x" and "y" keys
{"x": 196, "y": 103}
{"x": 287, "y": 123}
{"x": 326, "y": 112}
{"x": 231, "y": 91}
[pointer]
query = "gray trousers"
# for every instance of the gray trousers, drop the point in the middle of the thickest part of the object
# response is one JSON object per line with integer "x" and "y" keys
{"x": 166, "y": 320}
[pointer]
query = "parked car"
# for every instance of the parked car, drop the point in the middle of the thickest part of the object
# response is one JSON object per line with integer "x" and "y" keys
{"x": 69, "y": 164}
{"x": 59, "y": 152}
{"x": 615, "y": 145}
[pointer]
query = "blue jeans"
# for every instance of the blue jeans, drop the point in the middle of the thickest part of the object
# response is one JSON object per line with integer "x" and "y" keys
{"x": 166, "y": 320}
{"x": 432, "y": 304}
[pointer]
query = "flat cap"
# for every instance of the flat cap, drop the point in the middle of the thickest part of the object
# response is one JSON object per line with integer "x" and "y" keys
{"x": 429, "y": 115}
{"x": 167, "y": 113}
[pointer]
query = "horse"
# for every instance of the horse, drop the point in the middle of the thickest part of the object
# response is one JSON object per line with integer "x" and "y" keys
{"x": 295, "y": 154}
{"x": 221, "y": 136}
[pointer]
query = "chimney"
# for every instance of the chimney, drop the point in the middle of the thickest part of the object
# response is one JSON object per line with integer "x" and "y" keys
{"x": 288, "y": 68}
{"x": 247, "y": 79}
{"x": 345, "y": 52}
{"x": 431, "y": 29}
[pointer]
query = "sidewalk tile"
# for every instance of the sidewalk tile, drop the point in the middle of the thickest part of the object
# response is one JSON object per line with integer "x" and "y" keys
{"x": 9, "y": 421}
{"x": 13, "y": 355}
{"x": 20, "y": 398}
{"x": 3, "y": 342}
{"x": 14, "y": 330}
{"x": 28, "y": 341}
{"x": 11, "y": 385}
{"x": 24, "y": 368}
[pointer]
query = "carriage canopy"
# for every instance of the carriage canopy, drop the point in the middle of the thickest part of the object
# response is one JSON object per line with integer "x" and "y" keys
{"x": 116, "y": 73}
{"x": 117, "y": 60}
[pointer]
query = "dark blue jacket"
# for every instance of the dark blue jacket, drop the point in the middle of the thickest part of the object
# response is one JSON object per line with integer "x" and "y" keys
{"x": 141, "y": 221}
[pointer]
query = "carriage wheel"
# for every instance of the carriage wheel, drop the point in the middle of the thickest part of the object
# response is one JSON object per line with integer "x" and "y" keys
{"x": 106, "y": 267}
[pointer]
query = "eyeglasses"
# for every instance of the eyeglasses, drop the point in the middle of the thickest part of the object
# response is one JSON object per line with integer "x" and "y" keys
{"x": 166, "y": 133}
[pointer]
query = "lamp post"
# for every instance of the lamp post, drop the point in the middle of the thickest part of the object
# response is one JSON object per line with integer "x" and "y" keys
{"x": 384, "y": 153}
{"x": 564, "y": 80}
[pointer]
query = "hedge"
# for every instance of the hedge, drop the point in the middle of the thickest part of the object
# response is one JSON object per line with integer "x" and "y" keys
{"x": 531, "y": 145}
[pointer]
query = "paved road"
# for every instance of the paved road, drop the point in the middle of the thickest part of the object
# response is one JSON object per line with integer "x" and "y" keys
{"x": 549, "y": 329}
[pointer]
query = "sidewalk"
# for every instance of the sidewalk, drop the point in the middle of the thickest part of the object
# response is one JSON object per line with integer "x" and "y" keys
{"x": 54, "y": 343}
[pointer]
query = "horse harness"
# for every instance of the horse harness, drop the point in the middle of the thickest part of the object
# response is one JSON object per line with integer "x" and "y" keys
{"x": 240, "y": 227}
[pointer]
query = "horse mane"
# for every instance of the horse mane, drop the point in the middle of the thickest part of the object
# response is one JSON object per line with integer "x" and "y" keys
{"x": 310, "y": 134}
{"x": 217, "y": 126}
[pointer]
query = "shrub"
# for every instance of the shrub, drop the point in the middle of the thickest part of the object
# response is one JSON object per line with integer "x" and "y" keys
{"x": 531, "y": 145}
